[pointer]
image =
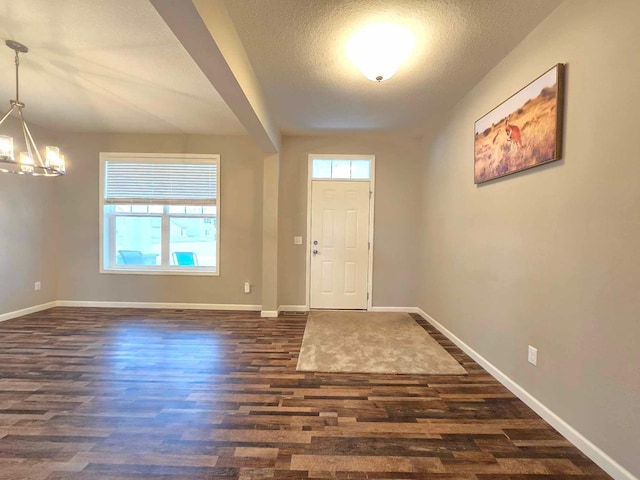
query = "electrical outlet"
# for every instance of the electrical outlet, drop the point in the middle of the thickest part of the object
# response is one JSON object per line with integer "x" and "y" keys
{"x": 37, "y": 286}
{"x": 247, "y": 287}
{"x": 532, "y": 357}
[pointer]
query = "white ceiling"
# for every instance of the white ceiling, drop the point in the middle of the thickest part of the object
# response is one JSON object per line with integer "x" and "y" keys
{"x": 106, "y": 65}
{"x": 114, "y": 65}
{"x": 297, "y": 47}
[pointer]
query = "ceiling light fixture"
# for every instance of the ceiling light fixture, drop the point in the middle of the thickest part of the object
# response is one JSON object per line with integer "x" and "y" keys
{"x": 29, "y": 162}
{"x": 380, "y": 48}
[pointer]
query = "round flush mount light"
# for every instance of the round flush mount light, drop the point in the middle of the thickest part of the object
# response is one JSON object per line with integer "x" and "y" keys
{"x": 379, "y": 49}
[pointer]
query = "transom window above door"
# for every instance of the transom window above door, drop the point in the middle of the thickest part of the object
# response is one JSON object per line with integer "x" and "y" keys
{"x": 325, "y": 168}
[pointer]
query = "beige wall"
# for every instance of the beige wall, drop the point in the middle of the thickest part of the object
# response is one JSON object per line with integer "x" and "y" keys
{"x": 27, "y": 232}
{"x": 240, "y": 223}
{"x": 73, "y": 230}
{"x": 549, "y": 257}
{"x": 396, "y": 215}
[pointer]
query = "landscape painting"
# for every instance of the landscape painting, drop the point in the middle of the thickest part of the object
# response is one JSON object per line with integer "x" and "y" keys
{"x": 524, "y": 131}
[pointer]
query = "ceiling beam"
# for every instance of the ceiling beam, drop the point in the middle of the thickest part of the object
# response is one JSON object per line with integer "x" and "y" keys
{"x": 206, "y": 31}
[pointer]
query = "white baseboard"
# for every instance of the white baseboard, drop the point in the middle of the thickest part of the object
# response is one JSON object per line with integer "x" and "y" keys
{"x": 293, "y": 308}
{"x": 26, "y": 311}
{"x": 173, "y": 306}
{"x": 394, "y": 309}
{"x": 304, "y": 308}
{"x": 603, "y": 460}
{"x": 269, "y": 314}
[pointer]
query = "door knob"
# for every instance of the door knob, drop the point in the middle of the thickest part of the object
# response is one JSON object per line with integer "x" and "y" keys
{"x": 315, "y": 252}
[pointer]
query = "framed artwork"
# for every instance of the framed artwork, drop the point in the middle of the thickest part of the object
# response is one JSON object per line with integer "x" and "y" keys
{"x": 522, "y": 132}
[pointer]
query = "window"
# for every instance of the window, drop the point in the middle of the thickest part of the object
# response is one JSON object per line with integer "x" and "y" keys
{"x": 341, "y": 169}
{"x": 159, "y": 213}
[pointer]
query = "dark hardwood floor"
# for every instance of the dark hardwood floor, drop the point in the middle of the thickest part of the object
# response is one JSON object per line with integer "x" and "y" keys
{"x": 165, "y": 394}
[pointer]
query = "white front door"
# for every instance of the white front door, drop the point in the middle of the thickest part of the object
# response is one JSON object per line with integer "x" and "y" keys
{"x": 339, "y": 244}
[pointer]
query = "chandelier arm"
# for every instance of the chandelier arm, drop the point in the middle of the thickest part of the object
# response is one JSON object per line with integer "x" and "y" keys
{"x": 13, "y": 107}
{"x": 26, "y": 141}
{"x": 29, "y": 139}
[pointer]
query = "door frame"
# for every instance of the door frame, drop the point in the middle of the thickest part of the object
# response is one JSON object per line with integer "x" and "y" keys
{"x": 372, "y": 197}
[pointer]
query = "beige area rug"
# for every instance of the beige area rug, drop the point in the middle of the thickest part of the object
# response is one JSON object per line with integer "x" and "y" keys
{"x": 368, "y": 342}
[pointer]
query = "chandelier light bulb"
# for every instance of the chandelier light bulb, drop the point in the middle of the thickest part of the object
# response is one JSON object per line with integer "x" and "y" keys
{"x": 54, "y": 159}
{"x": 26, "y": 163}
{"x": 380, "y": 48}
{"x": 6, "y": 148}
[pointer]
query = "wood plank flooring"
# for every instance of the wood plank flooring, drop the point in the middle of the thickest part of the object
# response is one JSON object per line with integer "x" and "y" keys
{"x": 166, "y": 394}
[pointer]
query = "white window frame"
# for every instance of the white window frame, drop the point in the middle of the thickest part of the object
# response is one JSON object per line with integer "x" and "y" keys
{"x": 372, "y": 201}
{"x": 367, "y": 158}
{"x": 165, "y": 268}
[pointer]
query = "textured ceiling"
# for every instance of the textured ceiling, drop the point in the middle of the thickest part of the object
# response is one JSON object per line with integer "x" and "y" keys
{"x": 106, "y": 65}
{"x": 297, "y": 47}
{"x": 114, "y": 65}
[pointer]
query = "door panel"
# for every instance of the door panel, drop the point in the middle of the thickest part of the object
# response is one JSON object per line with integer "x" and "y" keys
{"x": 328, "y": 221}
{"x": 327, "y": 277}
{"x": 350, "y": 273}
{"x": 351, "y": 229}
{"x": 340, "y": 225}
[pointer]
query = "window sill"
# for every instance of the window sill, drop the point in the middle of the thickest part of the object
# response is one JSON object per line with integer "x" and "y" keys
{"x": 176, "y": 272}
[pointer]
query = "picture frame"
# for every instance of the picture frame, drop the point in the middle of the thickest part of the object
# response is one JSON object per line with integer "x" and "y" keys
{"x": 524, "y": 131}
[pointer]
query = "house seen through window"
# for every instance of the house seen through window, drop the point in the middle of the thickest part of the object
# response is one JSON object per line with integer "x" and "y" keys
{"x": 160, "y": 213}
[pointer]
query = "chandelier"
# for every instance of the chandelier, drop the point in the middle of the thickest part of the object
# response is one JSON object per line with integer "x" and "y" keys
{"x": 29, "y": 162}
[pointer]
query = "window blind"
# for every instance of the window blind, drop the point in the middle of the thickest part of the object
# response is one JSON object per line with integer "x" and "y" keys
{"x": 161, "y": 182}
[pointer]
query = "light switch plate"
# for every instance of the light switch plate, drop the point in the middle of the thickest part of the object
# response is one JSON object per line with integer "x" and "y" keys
{"x": 297, "y": 240}
{"x": 532, "y": 356}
